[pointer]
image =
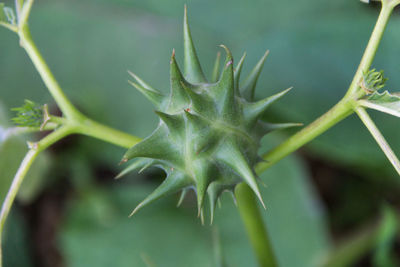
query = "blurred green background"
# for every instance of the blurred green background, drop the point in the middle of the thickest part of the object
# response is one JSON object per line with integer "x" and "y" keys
{"x": 71, "y": 212}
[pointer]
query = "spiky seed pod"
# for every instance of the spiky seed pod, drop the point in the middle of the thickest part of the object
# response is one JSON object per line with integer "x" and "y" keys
{"x": 209, "y": 133}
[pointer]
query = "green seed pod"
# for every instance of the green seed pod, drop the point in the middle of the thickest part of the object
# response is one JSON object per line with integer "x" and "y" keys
{"x": 209, "y": 132}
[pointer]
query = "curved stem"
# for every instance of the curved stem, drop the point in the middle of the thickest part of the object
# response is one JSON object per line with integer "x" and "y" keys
{"x": 94, "y": 129}
{"x": 372, "y": 47}
{"x": 254, "y": 225}
{"x": 336, "y": 114}
{"x": 9, "y": 26}
{"x": 343, "y": 108}
{"x": 35, "y": 149}
{"x": 78, "y": 123}
{"x": 47, "y": 76}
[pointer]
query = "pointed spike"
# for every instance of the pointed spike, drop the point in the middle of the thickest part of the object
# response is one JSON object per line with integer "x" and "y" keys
{"x": 216, "y": 70}
{"x": 224, "y": 91}
{"x": 196, "y": 121}
{"x": 214, "y": 190}
{"x": 135, "y": 165}
{"x": 171, "y": 184}
{"x": 225, "y": 82}
{"x": 231, "y": 192}
{"x": 146, "y": 166}
{"x": 143, "y": 83}
{"x": 193, "y": 71}
{"x": 196, "y": 100}
{"x": 202, "y": 171}
{"x": 231, "y": 155}
{"x": 200, "y": 199}
{"x": 155, "y": 146}
{"x": 238, "y": 71}
{"x": 266, "y": 127}
{"x": 155, "y": 97}
{"x": 213, "y": 203}
{"x": 251, "y": 80}
{"x": 258, "y": 194}
{"x": 182, "y": 197}
{"x": 229, "y": 58}
{"x": 219, "y": 203}
{"x": 178, "y": 98}
{"x": 252, "y": 111}
{"x": 202, "y": 182}
{"x": 174, "y": 122}
{"x": 202, "y": 216}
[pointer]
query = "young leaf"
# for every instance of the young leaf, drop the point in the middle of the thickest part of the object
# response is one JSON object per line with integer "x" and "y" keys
{"x": 7, "y": 14}
{"x": 384, "y": 102}
{"x": 29, "y": 115}
{"x": 373, "y": 81}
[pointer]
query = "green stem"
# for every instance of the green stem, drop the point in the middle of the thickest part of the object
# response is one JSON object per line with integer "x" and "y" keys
{"x": 343, "y": 108}
{"x": 94, "y": 129}
{"x": 340, "y": 111}
{"x": 246, "y": 202}
{"x": 9, "y": 26}
{"x": 47, "y": 76}
{"x": 35, "y": 149}
{"x": 253, "y": 222}
{"x": 82, "y": 124}
{"x": 368, "y": 122}
{"x": 353, "y": 248}
{"x": 373, "y": 44}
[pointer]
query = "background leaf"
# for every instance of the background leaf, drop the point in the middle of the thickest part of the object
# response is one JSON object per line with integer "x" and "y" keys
{"x": 171, "y": 236}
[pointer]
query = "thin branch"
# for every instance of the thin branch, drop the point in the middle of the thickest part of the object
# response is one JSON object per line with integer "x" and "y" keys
{"x": 24, "y": 14}
{"x": 12, "y": 192}
{"x": 370, "y": 50}
{"x": 9, "y": 26}
{"x": 18, "y": 7}
{"x": 7, "y": 133}
{"x": 34, "y": 150}
{"x": 341, "y": 110}
{"x": 368, "y": 122}
{"x": 392, "y": 3}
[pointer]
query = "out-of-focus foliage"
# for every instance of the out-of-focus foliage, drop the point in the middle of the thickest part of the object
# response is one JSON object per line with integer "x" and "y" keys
{"x": 90, "y": 44}
{"x": 97, "y": 231}
{"x": 388, "y": 231}
{"x": 16, "y": 242}
{"x": 317, "y": 54}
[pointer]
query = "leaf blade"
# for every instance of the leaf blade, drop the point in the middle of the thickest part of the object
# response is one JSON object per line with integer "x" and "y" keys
{"x": 384, "y": 102}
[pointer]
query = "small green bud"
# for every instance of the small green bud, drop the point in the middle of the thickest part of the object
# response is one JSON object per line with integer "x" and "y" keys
{"x": 29, "y": 115}
{"x": 373, "y": 81}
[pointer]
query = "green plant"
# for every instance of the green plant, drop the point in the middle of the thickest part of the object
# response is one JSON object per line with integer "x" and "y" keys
{"x": 363, "y": 92}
